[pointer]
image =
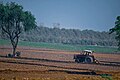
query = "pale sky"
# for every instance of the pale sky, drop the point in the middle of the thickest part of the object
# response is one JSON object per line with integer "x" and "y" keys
{"x": 98, "y": 15}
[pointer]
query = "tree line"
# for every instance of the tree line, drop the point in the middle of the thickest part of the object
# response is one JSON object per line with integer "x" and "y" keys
{"x": 69, "y": 36}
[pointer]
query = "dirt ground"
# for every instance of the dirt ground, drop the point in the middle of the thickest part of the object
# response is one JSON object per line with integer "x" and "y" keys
{"x": 49, "y": 64}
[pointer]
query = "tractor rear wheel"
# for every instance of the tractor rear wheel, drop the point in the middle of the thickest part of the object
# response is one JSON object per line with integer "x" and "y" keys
{"x": 88, "y": 60}
{"x": 77, "y": 60}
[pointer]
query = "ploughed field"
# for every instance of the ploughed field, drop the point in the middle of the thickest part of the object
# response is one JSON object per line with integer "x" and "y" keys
{"x": 50, "y": 64}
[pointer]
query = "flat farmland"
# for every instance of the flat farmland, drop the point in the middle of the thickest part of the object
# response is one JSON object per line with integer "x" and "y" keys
{"x": 50, "y": 64}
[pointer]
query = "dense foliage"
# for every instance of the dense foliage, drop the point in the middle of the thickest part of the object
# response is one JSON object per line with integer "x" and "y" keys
{"x": 14, "y": 20}
{"x": 116, "y": 29}
{"x": 69, "y": 36}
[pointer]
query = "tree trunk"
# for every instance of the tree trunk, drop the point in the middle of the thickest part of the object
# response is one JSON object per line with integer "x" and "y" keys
{"x": 14, "y": 50}
{"x": 14, "y": 45}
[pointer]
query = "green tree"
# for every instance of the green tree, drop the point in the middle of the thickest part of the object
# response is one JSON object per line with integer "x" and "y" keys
{"x": 14, "y": 20}
{"x": 116, "y": 29}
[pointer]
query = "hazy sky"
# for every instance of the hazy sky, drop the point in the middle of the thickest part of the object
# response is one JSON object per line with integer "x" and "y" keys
{"x": 97, "y": 15}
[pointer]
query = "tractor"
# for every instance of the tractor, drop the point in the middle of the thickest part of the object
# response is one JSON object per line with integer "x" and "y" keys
{"x": 86, "y": 57}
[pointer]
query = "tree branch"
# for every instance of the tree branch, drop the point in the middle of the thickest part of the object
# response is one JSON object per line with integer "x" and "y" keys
{"x": 5, "y": 30}
{"x": 18, "y": 31}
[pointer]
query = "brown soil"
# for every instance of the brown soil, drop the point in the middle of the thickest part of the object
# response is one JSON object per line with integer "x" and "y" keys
{"x": 49, "y": 64}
